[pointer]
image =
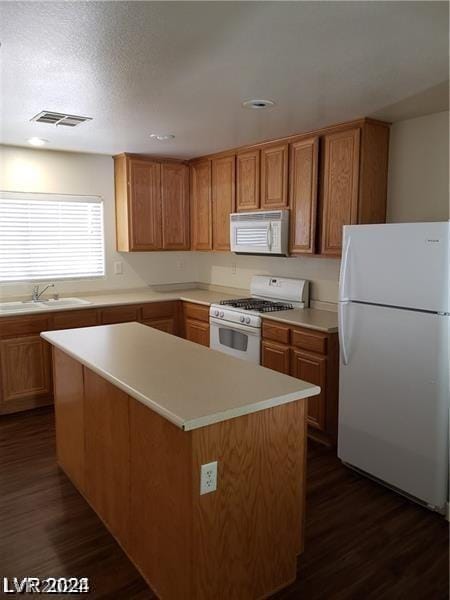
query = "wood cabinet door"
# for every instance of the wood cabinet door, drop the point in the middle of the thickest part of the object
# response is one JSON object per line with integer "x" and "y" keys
{"x": 223, "y": 200}
{"x": 340, "y": 188}
{"x": 175, "y": 206}
{"x": 274, "y": 176}
{"x": 248, "y": 178}
{"x": 145, "y": 205}
{"x": 313, "y": 369}
{"x": 303, "y": 174}
{"x": 201, "y": 216}
{"x": 25, "y": 373}
{"x": 197, "y": 331}
{"x": 275, "y": 357}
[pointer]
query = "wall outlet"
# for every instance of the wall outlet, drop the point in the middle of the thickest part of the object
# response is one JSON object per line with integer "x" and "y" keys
{"x": 208, "y": 478}
{"x": 180, "y": 264}
{"x": 118, "y": 267}
{"x": 233, "y": 268}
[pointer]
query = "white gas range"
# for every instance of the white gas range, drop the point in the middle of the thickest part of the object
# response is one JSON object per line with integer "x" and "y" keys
{"x": 235, "y": 325}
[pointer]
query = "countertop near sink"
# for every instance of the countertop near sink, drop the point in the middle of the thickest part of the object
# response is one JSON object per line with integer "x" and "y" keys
{"x": 311, "y": 318}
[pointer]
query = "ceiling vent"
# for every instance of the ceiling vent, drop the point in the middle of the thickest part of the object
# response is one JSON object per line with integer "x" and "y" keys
{"x": 53, "y": 118}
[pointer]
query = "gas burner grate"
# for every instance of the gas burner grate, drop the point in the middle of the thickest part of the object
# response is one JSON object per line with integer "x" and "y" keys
{"x": 262, "y": 306}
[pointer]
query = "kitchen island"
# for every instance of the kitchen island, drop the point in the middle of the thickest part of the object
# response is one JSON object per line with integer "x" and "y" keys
{"x": 138, "y": 412}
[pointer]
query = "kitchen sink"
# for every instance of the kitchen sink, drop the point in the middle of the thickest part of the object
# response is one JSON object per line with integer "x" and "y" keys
{"x": 7, "y": 307}
{"x": 29, "y": 305}
{"x": 65, "y": 302}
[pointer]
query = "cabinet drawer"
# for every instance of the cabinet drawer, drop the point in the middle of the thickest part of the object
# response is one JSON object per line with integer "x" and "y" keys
{"x": 309, "y": 340}
{"x": 155, "y": 310}
{"x": 199, "y": 312}
{"x": 23, "y": 325}
{"x": 275, "y": 332}
{"x": 119, "y": 314}
{"x": 74, "y": 319}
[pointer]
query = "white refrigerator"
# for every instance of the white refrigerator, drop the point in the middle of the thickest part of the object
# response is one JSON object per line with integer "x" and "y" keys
{"x": 394, "y": 367}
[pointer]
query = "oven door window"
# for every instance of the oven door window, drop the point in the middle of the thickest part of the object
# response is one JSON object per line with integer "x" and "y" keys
{"x": 236, "y": 340}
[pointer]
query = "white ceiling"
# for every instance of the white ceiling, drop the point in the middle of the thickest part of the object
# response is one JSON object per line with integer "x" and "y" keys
{"x": 185, "y": 67}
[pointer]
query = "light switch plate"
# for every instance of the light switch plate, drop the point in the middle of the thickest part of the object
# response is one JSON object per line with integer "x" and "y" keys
{"x": 208, "y": 478}
{"x": 118, "y": 267}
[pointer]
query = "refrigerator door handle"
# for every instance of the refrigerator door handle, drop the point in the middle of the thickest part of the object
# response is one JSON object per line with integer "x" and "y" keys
{"x": 341, "y": 331}
{"x": 344, "y": 271}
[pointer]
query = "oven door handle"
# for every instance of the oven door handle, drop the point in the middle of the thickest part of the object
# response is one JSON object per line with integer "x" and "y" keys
{"x": 235, "y": 326}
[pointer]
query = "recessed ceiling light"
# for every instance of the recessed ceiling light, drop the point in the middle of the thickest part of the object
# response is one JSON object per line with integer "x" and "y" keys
{"x": 35, "y": 141}
{"x": 257, "y": 103}
{"x": 162, "y": 137}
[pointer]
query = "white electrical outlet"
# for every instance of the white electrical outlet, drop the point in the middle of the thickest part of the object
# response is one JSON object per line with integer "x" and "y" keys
{"x": 208, "y": 478}
{"x": 180, "y": 264}
{"x": 118, "y": 267}
{"x": 233, "y": 269}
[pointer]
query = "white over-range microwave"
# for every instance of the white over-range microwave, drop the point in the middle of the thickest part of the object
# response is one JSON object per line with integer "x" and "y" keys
{"x": 261, "y": 232}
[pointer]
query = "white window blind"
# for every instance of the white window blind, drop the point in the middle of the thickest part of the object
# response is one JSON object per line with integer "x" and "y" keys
{"x": 49, "y": 236}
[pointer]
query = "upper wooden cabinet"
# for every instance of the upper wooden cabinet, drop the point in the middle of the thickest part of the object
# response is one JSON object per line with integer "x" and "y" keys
{"x": 303, "y": 174}
{"x": 274, "y": 176}
{"x": 138, "y": 204}
{"x": 152, "y": 206}
{"x": 175, "y": 206}
{"x": 354, "y": 181}
{"x": 340, "y": 187}
{"x": 329, "y": 178}
{"x": 223, "y": 200}
{"x": 201, "y": 213}
{"x": 247, "y": 180}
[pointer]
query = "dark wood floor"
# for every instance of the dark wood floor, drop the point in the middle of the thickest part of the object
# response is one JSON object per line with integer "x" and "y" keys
{"x": 362, "y": 541}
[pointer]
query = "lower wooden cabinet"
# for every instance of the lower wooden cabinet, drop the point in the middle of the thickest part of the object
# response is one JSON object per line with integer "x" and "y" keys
{"x": 197, "y": 331}
{"x": 25, "y": 358}
{"x": 196, "y": 323}
{"x": 26, "y": 380}
{"x": 276, "y": 357}
{"x": 314, "y": 357}
{"x": 169, "y": 324}
{"x": 312, "y": 368}
{"x": 119, "y": 314}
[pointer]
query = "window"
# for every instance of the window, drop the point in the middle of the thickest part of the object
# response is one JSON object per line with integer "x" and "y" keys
{"x": 49, "y": 236}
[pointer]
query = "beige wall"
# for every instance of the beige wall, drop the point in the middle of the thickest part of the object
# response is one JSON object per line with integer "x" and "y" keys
{"x": 418, "y": 169}
{"x": 30, "y": 170}
{"x": 237, "y": 271}
{"x": 418, "y": 190}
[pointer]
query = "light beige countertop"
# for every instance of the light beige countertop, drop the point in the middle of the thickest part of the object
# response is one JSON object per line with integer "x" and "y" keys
{"x": 322, "y": 320}
{"x": 188, "y": 384}
{"x": 311, "y": 318}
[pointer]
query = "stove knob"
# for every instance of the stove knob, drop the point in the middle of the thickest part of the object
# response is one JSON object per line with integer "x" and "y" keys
{"x": 242, "y": 319}
{"x": 221, "y": 314}
{"x": 216, "y": 313}
{"x": 247, "y": 320}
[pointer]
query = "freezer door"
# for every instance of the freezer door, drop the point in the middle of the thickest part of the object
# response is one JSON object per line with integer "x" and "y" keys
{"x": 394, "y": 398}
{"x": 404, "y": 264}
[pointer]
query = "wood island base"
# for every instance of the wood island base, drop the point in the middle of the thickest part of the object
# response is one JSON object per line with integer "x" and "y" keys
{"x": 141, "y": 475}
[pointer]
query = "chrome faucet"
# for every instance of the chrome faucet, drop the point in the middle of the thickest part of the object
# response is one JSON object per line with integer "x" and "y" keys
{"x": 36, "y": 294}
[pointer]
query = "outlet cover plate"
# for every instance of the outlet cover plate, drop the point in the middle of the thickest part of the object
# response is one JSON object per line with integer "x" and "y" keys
{"x": 208, "y": 478}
